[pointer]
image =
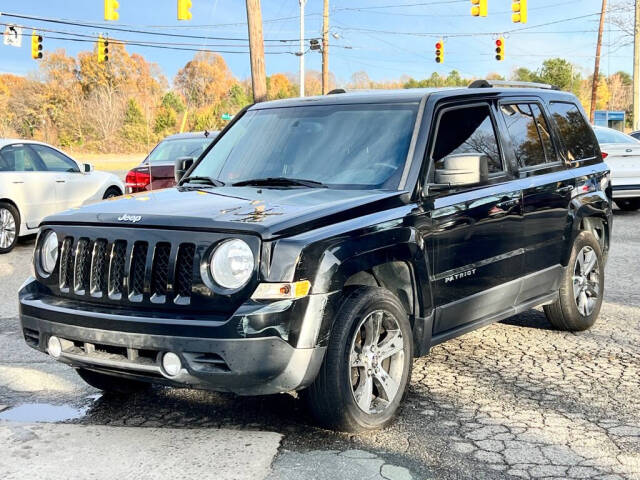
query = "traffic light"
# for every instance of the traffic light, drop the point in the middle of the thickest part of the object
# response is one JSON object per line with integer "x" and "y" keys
{"x": 111, "y": 9}
{"x": 479, "y": 8}
{"x": 36, "y": 45}
{"x": 103, "y": 49}
{"x": 519, "y": 8}
{"x": 314, "y": 44}
{"x": 439, "y": 51}
{"x": 184, "y": 9}
{"x": 500, "y": 49}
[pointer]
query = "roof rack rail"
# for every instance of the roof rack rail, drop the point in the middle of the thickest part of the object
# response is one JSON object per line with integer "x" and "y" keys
{"x": 510, "y": 83}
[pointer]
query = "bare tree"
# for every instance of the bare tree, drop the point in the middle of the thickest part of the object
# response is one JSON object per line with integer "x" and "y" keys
{"x": 106, "y": 111}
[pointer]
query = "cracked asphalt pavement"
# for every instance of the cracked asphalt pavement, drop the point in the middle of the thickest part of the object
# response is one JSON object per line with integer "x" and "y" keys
{"x": 517, "y": 399}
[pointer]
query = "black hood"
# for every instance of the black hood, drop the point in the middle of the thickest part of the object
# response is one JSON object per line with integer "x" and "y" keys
{"x": 268, "y": 212}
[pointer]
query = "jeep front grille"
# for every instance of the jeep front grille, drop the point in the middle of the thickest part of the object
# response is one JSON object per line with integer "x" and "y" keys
{"x": 127, "y": 271}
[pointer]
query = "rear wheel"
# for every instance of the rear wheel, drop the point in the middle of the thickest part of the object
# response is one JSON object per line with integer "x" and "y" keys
{"x": 582, "y": 287}
{"x": 367, "y": 366}
{"x": 110, "y": 383}
{"x": 112, "y": 192}
{"x": 9, "y": 227}
{"x": 628, "y": 204}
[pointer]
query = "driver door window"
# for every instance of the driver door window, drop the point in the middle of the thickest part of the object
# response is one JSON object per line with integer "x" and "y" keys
{"x": 56, "y": 161}
{"x": 467, "y": 130}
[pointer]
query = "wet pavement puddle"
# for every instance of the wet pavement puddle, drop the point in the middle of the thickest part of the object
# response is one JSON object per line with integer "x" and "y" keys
{"x": 42, "y": 412}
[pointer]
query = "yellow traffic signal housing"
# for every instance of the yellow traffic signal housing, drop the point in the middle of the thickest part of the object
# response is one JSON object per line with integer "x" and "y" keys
{"x": 184, "y": 9}
{"x": 36, "y": 45}
{"x": 103, "y": 49}
{"x": 519, "y": 8}
{"x": 500, "y": 49}
{"x": 111, "y": 10}
{"x": 439, "y": 51}
{"x": 479, "y": 8}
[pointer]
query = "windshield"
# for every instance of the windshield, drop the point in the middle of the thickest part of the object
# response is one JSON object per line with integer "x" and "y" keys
{"x": 360, "y": 146}
{"x": 171, "y": 150}
{"x": 605, "y": 135}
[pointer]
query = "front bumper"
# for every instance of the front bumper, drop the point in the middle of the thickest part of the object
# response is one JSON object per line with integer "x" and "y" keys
{"x": 132, "y": 347}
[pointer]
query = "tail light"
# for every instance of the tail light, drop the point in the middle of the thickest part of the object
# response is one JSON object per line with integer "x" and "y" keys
{"x": 138, "y": 179}
{"x": 604, "y": 155}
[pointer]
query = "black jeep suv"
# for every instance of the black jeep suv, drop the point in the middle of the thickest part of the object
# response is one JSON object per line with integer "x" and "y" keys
{"x": 320, "y": 244}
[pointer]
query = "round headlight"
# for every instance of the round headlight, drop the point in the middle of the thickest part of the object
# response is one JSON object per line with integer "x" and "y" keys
{"x": 231, "y": 264}
{"x": 49, "y": 253}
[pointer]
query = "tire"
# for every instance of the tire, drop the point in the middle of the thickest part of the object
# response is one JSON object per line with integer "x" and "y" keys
{"x": 574, "y": 311}
{"x": 628, "y": 204}
{"x": 112, "y": 192}
{"x": 9, "y": 227}
{"x": 110, "y": 383}
{"x": 332, "y": 398}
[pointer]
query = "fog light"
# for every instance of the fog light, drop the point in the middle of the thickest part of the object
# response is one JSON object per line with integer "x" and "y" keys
{"x": 54, "y": 347}
{"x": 171, "y": 364}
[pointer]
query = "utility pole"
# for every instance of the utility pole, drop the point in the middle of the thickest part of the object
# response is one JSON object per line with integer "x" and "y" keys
{"x": 256, "y": 51}
{"x": 301, "y": 53}
{"x": 596, "y": 68}
{"x": 636, "y": 69}
{"x": 325, "y": 48}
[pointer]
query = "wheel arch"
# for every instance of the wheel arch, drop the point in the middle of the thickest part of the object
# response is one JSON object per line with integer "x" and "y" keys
{"x": 594, "y": 217}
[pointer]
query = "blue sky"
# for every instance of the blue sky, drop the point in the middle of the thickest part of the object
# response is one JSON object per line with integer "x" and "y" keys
{"x": 384, "y": 37}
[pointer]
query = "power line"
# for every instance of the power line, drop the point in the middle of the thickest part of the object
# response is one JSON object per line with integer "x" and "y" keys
{"x": 130, "y": 30}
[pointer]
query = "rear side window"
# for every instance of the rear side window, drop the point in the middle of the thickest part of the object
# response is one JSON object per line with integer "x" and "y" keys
{"x": 523, "y": 131}
{"x": 575, "y": 133}
{"x": 467, "y": 130}
{"x": 19, "y": 158}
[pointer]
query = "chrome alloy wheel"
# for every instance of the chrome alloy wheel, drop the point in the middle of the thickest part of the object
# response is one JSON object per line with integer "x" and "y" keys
{"x": 586, "y": 281}
{"x": 376, "y": 361}
{"x": 7, "y": 228}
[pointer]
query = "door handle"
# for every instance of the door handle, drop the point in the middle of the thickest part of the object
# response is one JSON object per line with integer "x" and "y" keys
{"x": 17, "y": 182}
{"x": 507, "y": 204}
{"x": 563, "y": 190}
{"x": 60, "y": 181}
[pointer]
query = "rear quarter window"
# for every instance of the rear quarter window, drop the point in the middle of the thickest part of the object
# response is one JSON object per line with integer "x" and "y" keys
{"x": 576, "y": 135}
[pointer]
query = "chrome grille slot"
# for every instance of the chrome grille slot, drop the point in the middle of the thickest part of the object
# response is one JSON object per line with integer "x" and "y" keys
{"x": 116, "y": 269}
{"x": 184, "y": 273}
{"x": 99, "y": 263}
{"x": 81, "y": 266}
{"x": 136, "y": 270}
{"x": 66, "y": 264}
{"x": 138, "y": 266}
{"x": 160, "y": 272}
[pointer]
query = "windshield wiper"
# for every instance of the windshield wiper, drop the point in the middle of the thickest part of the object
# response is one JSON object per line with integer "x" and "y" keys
{"x": 207, "y": 180}
{"x": 281, "y": 181}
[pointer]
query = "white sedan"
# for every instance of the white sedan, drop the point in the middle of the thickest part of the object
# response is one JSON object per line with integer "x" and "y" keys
{"x": 622, "y": 154}
{"x": 37, "y": 180}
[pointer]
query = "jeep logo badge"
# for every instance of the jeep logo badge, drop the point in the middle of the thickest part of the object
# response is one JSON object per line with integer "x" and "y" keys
{"x": 130, "y": 218}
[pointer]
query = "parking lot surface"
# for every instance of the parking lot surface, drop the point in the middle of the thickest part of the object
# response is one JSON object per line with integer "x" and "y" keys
{"x": 517, "y": 399}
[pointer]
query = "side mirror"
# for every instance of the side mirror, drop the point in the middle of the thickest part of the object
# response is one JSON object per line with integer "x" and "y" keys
{"x": 181, "y": 166}
{"x": 463, "y": 169}
{"x": 87, "y": 168}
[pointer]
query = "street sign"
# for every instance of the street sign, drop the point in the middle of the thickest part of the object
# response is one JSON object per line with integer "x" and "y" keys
{"x": 226, "y": 116}
{"x": 13, "y": 36}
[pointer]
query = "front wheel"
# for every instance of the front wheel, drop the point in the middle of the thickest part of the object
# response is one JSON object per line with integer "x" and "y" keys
{"x": 628, "y": 204}
{"x": 367, "y": 367}
{"x": 581, "y": 288}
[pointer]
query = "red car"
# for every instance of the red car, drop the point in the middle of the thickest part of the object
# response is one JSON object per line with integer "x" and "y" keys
{"x": 157, "y": 170}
